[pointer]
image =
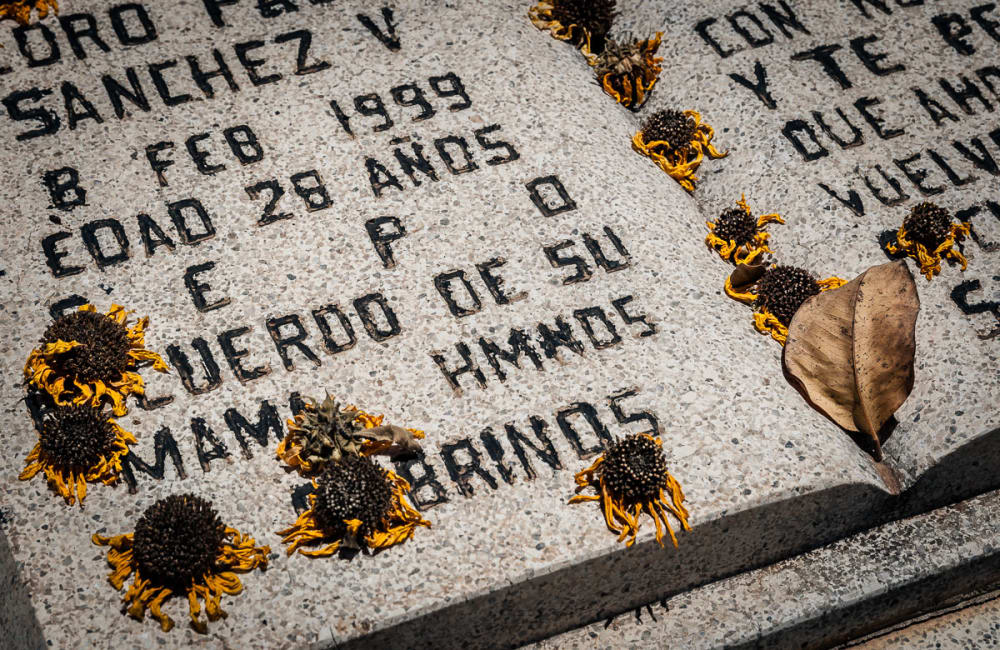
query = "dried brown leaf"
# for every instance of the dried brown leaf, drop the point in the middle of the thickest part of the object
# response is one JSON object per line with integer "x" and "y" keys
{"x": 850, "y": 350}
{"x": 745, "y": 275}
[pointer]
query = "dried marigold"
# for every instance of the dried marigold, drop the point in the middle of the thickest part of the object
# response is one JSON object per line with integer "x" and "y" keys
{"x": 584, "y": 23}
{"x": 928, "y": 235}
{"x": 355, "y": 503}
{"x": 20, "y": 10}
{"x": 777, "y": 294}
{"x": 77, "y": 445}
{"x": 86, "y": 356}
{"x": 631, "y": 477}
{"x": 180, "y": 546}
{"x": 324, "y": 433}
{"x": 629, "y": 71}
{"x": 737, "y": 236}
{"x": 677, "y": 141}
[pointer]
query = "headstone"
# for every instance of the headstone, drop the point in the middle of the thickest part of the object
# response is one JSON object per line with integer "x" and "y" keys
{"x": 380, "y": 202}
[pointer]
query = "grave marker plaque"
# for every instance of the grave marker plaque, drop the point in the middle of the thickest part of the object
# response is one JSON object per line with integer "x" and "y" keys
{"x": 428, "y": 210}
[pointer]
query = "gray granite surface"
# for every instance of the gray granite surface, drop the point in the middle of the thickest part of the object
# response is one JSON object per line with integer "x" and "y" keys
{"x": 765, "y": 476}
{"x": 974, "y": 626}
{"x": 834, "y": 594}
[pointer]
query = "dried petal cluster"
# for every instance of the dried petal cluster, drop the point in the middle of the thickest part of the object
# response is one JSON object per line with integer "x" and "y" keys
{"x": 594, "y": 17}
{"x": 180, "y": 547}
{"x": 354, "y": 488}
{"x": 677, "y": 141}
{"x": 102, "y": 350}
{"x": 20, "y": 10}
{"x": 178, "y": 539}
{"x": 675, "y": 129}
{"x": 91, "y": 358}
{"x": 928, "y": 235}
{"x": 77, "y": 437}
{"x": 783, "y": 289}
{"x": 736, "y": 225}
{"x": 928, "y": 224}
{"x": 635, "y": 468}
{"x": 325, "y": 432}
{"x": 628, "y": 70}
{"x": 631, "y": 477}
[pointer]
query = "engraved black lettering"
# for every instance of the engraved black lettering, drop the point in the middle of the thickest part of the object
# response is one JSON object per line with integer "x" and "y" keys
{"x": 89, "y": 233}
{"x": 469, "y": 366}
{"x": 379, "y": 329}
{"x": 548, "y": 209}
{"x": 203, "y": 435}
{"x": 552, "y": 339}
{"x": 75, "y": 33}
{"x": 179, "y": 360}
{"x": 199, "y": 289}
{"x": 53, "y": 256}
{"x": 427, "y": 479}
{"x": 116, "y": 92}
{"x": 383, "y": 231}
{"x": 203, "y": 78}
{"x": 163, "y": 445}
{"x": 178, "y": 211}
{"x": 444, "y": 283}
{"x": 387, "y": 37}
{"x": 630, "y": 319}
{"x": 284, "y": 341}
{"x": 520, "y": 343}
{"x": 244, "y": 430}
{"x": 235, "y": 356}
{"x": 323, "y": 323}
{"x": 64, "y": 188}
{"x": 757, "y": 87}
{"x": 48, "y": 121}
{"x": 124, "y": 33}
{"x": 160, "y": 83}
{"x": 589, "y": 413}
{"x": 304, "y": 37}
{"x": 462, "y": 472}
{"x": 152, "y": 235}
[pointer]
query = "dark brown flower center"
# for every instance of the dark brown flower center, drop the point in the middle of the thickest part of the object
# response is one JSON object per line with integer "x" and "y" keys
{"x": 928, "y": 224}
{"x": 734, "y": 224}
{"x": 634, "y": 469}
{"x": 595, "y": 16}
{"x": 353, "y": 488}
{"x": 103, "y": 355}
{"x": 77, "y": 437}
{"x": 177, "y": 540}
{"x": 783, "y": 289}
{"x": 673, "y": 127}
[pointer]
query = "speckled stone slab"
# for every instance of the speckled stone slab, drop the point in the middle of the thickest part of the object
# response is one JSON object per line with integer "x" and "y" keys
{"x": 835, "y": 594}
{"x": 850, "y": 113}
{"x": 475, "y": 186}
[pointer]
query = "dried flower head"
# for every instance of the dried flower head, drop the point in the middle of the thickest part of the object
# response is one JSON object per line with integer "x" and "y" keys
{"x": 739, "y": 237}
{"x": 177, "y": 539}
{"x": 355, "y": 503}
{"x": 776, "y": 293}
{"x": 928, "y": 235}
{"x": 180, "y": 546}
{"x": 676, "y": 141}
{"x": 86, "y": 356}
{"x": 20, "y": 10}
{"x": 324, "y": 433}
{"x": 631, "y": 477}
{"x": 77, "y": 445}
{"x": 629, "y": 71}
{"x": 584, "y": 23}
{"x": 783, "y": 289}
